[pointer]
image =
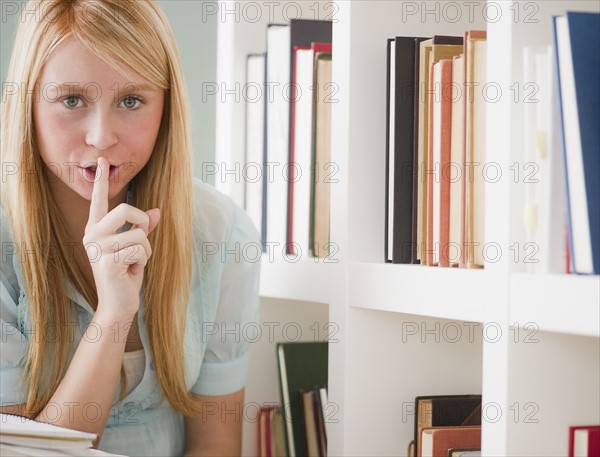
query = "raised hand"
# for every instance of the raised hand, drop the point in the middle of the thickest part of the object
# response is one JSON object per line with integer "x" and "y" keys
{"x": 117, "y": 259}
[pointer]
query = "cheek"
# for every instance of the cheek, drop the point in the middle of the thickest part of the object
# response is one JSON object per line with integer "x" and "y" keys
{"x": 53, "y": 133}
{"x": 140, "y": 137}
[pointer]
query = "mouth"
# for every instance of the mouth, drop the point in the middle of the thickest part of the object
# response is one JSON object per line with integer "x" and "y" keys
{"x": 90, "y": 171}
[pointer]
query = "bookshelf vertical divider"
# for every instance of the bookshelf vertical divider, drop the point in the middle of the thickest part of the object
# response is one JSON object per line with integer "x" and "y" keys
{"x": 536, "y": 361}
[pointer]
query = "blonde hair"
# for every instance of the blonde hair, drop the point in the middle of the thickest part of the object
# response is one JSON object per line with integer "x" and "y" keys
{"x": 137, "y": 35}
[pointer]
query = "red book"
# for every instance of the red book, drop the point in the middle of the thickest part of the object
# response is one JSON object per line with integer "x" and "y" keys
{"x": 584, "y": 440}
{"x": 441, "y": 145}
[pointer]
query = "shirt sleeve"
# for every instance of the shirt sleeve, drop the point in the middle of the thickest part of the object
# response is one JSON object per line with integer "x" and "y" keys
{"x": 14, "y": 347}
{"x": 225, "y": 364}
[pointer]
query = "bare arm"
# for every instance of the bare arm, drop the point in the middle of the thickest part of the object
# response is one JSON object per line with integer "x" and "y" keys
{"x": 84, "y": 397}
{"x": 217, "y": 432}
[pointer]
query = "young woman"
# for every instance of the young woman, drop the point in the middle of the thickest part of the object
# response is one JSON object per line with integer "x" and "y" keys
{"x": 126, "y": 285}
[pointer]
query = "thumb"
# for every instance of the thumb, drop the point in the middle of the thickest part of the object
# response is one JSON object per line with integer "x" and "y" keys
{"x": 154, "y": 215}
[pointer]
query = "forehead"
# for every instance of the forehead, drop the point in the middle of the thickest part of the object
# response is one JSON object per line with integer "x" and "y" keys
{"x": 72, "y": 63}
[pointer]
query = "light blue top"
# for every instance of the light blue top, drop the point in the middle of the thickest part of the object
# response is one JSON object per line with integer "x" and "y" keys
{"x": 221, "y": 323}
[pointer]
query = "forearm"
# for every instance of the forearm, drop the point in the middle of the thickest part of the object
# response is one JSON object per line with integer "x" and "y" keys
{"x": 85, "y": 395}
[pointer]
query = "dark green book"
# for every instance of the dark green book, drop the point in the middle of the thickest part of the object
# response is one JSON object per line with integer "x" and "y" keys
{"x": 301, "y": 366}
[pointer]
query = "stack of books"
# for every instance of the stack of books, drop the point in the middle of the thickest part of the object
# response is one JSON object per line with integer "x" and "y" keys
{"x": 447, "y": 426}
{"x": 23, "y": 437}
{"x": 303, "y": 382}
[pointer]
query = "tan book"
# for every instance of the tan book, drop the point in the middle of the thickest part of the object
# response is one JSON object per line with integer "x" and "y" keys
{"x": 431, "y": 51}
{"x": 321, "y": 187}
{"x": 457, "y": 166}
{"x": 310, "y": 423}
{"x": 474, "y": 153}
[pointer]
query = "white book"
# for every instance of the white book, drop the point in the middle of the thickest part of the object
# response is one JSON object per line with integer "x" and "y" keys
{"x": 302, "y": 149}
{"x": 550, "y": 240}
{"x": 530, "y": 137}
{"x": 391, "y": 154}
{"x": 278, "y": 122}
{"x": 475, "y": 152}
{"x": 255, "y": 119}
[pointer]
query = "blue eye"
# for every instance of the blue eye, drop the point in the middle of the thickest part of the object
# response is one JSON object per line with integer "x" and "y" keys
{"x": 132, "y": 102}
{"x": 73, "y": 98}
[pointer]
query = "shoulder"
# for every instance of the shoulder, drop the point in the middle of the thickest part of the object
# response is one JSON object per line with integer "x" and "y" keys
{"x": 217, "y": 218}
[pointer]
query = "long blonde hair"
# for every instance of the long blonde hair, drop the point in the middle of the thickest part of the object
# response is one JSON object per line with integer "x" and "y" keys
{"x": 137, "y": 35}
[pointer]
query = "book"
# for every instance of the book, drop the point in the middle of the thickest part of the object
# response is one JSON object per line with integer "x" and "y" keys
{"x": 474, "y": 149}
{"x": 457, "y": 165}
{"x": 439, "y": 161}
{"x": 401, "y": 174}
{"x": 432, "y": 50}
{"x": 436, "y": 441}
{"x": 301, "y": 366}
{"x": 301, "y": 149}
{"x": 544, "y": 217}
{"x": 463, "y": 452}
{"x": 297, "y": 224}
{"x": 576, "y": 39}
{"x": 445, "y": 410}
{"x": 277, "y": 132}
{"x": 584, "y": 441}
{"x": 309, "y": 413}
{"x": 278, "y": 448}
{"x": 303, "y": 32}
{"x": 264, "y": 432}
{"x": 21, "y": 436}
{"x": 254, "y": 152}
{"x": 321, "y": 156}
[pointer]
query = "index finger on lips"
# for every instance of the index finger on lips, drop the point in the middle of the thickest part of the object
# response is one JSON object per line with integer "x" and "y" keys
{"x": 99, "y": 204}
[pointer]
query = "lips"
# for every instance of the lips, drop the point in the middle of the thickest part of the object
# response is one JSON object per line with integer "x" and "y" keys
{"x": 90, "y": 171}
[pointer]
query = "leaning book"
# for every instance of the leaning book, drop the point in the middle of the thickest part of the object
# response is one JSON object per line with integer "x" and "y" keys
{"x": 20, "y": 436}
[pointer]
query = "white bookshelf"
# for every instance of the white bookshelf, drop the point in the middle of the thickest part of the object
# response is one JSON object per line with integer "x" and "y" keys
{"x": 535, "y": 356}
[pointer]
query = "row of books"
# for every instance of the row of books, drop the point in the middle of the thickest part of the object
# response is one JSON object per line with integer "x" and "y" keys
{"x": 435, "y": 139}
{"x": 436, "y": 131}
{"x": 450, "y": 426}
{"x": 302, "y": 372}
{"x": 562, "y": 148}
{"x": 288, "y": 137}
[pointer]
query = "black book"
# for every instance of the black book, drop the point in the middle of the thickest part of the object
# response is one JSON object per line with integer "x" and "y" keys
{"x": 402, "y": 75}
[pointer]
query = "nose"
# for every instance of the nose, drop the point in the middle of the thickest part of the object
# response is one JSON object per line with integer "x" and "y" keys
{"x": 101, "y": 133}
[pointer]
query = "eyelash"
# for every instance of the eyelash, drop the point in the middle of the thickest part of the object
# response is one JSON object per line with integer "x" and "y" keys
{"x": 129, "y": 97}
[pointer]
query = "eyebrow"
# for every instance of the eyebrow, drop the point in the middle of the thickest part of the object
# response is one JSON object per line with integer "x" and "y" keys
{"x": 71, "y": 87}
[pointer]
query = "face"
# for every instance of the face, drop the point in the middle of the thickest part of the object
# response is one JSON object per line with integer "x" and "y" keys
{"x": 85, "y": 109}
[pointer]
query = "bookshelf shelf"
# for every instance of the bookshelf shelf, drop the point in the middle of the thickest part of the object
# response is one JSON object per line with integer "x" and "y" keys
{"x": 290, "y": 279}
{"x": 457, "y": 293}
{"x": 556, "y": 303}
{"x": 375, "y": 368}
